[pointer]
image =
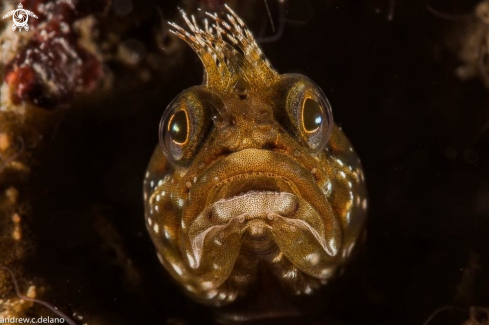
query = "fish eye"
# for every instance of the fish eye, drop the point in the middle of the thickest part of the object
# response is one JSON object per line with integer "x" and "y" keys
{"x": 175, "y": 133}
{"x": 184, "y": 124}
{"x": 314, "y": 119}
{"x": 308, "y": 112}
{"x": 178, "y": 127}
{"x": 312, "y": 115}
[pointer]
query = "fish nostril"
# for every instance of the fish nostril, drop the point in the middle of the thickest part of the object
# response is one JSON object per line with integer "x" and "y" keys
{"x": 270, "y": 146}
{"x": 226, "y": 152}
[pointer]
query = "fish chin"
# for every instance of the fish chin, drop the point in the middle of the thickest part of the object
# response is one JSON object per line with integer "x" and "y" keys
{"x": 262, "y": 222}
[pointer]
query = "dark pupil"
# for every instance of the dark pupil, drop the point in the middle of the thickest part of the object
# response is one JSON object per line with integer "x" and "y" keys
{"x": 312, "y": 115}
{"x": 178, "y": 127}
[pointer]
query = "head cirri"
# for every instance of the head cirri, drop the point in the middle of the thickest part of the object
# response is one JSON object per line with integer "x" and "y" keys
{"x": 251, "y": 173}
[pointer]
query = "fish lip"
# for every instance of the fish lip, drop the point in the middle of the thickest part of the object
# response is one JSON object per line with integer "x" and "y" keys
{"x": 248, "y": 217}
{"x": 284, "y": 185}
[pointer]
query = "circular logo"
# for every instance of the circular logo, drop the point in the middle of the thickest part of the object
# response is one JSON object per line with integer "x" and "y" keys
{"x": 20, "y": 17}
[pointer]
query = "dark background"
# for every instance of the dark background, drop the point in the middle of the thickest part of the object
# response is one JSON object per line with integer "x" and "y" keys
{"x": 388, "y": 69}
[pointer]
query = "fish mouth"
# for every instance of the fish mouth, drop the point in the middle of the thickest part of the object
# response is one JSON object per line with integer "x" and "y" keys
{"x": 273, "y": 207}
{"x": 239, "y": 184}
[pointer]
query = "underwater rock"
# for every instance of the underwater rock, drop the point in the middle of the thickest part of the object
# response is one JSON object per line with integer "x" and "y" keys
{"x": 56, "y": 64}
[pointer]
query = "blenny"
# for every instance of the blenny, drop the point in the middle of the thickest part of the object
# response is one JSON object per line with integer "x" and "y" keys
{"x": 252, "y": 176}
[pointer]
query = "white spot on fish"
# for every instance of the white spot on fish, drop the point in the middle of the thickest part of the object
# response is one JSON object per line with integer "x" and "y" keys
{"x": 191, "y": 260}
{"x": 166, "y": 232}
{"x": 177, "y": 269}
{"x": 329, "y": 187}
{"x": 180, "y": 203}
{"x": 211, "y": 294}
{"x": 207, "y": 285}
{"x": 313, "y": 258}
{"x": 278, "y": 258}
{"x": 292, "y": 274}
{"x": 326, "y": 273}
{"x": 190, "y": 288}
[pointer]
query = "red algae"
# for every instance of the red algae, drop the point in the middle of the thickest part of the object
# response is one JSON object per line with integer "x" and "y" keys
{"x": 53, "y": 67}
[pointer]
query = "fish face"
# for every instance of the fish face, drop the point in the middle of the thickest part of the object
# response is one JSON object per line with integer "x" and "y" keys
{"x": 251, "y": 173}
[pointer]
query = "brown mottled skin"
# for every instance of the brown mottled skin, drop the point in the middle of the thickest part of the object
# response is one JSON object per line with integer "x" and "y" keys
{"x": 251, "y": 187}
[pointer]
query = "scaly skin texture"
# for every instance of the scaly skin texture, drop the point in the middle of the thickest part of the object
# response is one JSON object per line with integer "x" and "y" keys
{"x": 250, "y": 186}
